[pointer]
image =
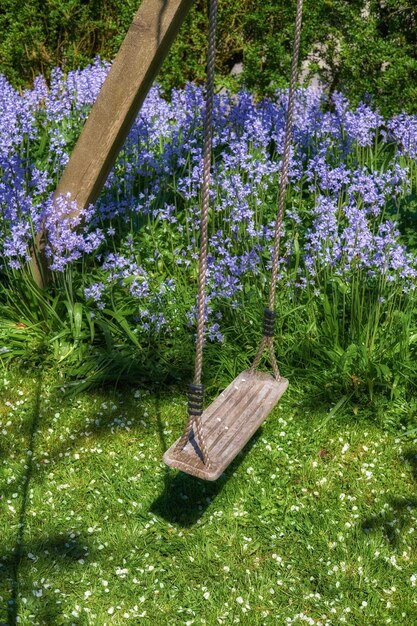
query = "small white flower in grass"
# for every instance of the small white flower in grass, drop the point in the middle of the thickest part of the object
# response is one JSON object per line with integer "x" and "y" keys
{"x": 345, "y": 448}
{"x": 87, "y": 594}
{"x": 413, "y": 580}
{"x": 226, "y": 568}
{"x": 37, "y": 593}
{"x": 122, "y": 572}
{"x": 206, "y": 595}
{"x": 105, "y": 583}
{"x": 110, "y": 611}
{"x": 239, "y": 600}
{"x": 393, "y": 560}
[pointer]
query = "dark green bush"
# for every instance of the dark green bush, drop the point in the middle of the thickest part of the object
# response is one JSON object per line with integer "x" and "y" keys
{"x": 368, "y": 47}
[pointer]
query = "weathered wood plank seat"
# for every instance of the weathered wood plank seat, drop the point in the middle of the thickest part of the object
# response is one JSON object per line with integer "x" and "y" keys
{"x": 228, "y": 424}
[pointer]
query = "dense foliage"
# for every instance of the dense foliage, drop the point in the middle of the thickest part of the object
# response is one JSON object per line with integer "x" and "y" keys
{"x": 124, "y": 276}
{"x": 366, "y": 47}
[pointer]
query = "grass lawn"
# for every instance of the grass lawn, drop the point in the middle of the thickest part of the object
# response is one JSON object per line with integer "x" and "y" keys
{"x": 315, "y": 522}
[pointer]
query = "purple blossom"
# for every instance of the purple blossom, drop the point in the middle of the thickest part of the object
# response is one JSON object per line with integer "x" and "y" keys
{"x": 403, "y": 130}
{"x": 95, "y": 292}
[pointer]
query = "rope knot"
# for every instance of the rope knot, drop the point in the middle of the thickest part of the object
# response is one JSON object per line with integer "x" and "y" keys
{"x": 195, "y": 400}
{"x": 269, "y": 323}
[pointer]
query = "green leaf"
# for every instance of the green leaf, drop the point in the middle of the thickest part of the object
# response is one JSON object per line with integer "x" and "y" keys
{"x": 78, "y": 318}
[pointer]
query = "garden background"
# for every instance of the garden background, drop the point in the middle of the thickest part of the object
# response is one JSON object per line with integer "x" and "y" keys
{"x": 364, "y": 47}
{"x": 315, "y": 521}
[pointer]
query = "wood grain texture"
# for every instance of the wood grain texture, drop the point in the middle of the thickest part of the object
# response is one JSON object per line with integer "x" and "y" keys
{"x": 134, "y": 69}
{"x": 228, "y": 424}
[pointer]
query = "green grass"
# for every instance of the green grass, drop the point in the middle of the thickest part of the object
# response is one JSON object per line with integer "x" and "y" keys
{"x": 315, "y": 523}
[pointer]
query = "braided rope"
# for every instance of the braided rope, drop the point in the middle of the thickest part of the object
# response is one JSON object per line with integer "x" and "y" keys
{"x": 266, "y": 341}
{"x": 193, "y": 421}
{"x": 282, "y": 191}
{"x": 259, "y": 354}
{"x": 208, "y": 141}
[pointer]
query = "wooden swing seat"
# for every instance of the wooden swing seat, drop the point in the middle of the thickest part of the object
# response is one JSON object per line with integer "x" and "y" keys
{"x": 228, "y": 424}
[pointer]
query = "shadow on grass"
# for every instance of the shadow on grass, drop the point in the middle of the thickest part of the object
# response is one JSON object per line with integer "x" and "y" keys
{"x": 86, "y": 429}
{"x": 185, "y": 498}
{"x": 91, "y": 426}
{"x": 397, "y": 518}
{"x": 14, "y": 562}
{"x": 13, "y": 566}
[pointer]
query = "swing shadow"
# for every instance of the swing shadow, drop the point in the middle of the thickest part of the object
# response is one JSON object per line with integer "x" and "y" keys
{"x": 184, "y": 498}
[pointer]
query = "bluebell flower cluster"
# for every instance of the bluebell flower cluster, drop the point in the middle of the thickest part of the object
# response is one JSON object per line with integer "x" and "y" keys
{"x": 348, "y": 169}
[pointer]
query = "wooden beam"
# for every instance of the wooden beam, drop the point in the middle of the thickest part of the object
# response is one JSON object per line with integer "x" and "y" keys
{"x": 133, "y": 71}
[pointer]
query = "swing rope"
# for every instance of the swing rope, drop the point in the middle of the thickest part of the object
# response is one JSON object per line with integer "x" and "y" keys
{"x": 196, "y": 390}
{"x": 269, "y": 313}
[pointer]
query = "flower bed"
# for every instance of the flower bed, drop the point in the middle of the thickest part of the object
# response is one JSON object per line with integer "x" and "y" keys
{"x": 348, "y": 265}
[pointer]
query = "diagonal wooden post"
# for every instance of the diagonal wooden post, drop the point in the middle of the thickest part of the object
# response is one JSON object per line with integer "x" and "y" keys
{"x": 134, "y": 69}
